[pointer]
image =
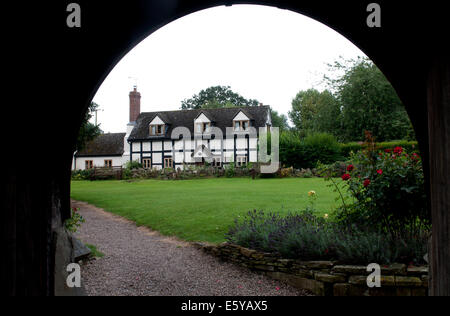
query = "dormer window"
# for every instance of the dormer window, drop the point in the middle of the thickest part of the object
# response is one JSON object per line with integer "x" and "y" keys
{"x": 202, "y": 124}
{"x": 157, "y": 127}
{"x": 241, "y": 126}
{"x": 203, "y": 127}
{"x": 241, "y": 122}
{"x": 156, "y": 130}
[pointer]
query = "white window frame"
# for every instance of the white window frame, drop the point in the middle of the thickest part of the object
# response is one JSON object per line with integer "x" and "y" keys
{"x": 241, "y": 161}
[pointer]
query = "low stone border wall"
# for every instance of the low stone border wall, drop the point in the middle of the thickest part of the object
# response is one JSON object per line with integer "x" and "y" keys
{"x": 326, "y": 278}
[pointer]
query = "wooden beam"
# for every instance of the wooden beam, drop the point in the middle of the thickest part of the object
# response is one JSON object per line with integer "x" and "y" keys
{"x": 439, "y": 149}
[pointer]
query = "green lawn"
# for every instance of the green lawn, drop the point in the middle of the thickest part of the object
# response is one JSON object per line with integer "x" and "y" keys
{"x": 201, "y": 210}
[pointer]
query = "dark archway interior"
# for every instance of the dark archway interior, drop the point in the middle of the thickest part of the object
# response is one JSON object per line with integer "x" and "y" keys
{"x": 60, "y": 70}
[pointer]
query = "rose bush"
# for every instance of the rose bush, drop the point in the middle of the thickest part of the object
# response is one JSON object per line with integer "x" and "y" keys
{"x": 387, "y": 191}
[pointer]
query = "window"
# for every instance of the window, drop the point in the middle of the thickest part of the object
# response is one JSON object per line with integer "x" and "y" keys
{"x": 203, "y": 127}
{"x": 108, "y": 163}
{"x": 241, "y": 161}
{"x": 156, "y": 130}
{"x": 89, "y": 164}
{"x": 217, "y": 162}
{"x": 168, "y": 163}
{"x": 241, "y": 126}
{"x": 147, "y": 163}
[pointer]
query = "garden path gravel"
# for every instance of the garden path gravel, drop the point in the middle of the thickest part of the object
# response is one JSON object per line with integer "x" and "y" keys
{"x": 139, "y": 261}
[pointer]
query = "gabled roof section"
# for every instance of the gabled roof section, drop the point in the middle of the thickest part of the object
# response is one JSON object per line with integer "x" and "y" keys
{"x": 156, "y": 119}
{"x": 242, "y": 112}
{"x": 221, "y": 118}
{"x": 205, "y": 114}
{"x": 110, "y": 144}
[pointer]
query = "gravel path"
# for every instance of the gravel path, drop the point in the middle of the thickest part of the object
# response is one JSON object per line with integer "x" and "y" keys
{"x": 139, "y": 261}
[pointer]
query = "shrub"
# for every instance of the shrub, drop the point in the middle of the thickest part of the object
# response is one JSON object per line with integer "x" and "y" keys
{"x": 82, "y": 174}
{"x": 320, "y": 147}
{"x": 305, "y": 153}
{"x": 305, "y": 236}
{"x": 230, "y": 170}
{"x": 388, "y": 191}
{"x": 74, "y": 222}
{"x": 130, "y": 165}
{"x": 408, "y": 146}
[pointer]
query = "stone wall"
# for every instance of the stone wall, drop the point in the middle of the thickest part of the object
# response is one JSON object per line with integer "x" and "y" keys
{"x": 326, "y": 278}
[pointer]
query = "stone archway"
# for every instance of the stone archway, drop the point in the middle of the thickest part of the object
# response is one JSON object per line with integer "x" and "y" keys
{"x": 61, "y": 68}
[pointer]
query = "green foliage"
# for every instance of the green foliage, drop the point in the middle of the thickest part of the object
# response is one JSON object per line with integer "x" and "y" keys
{"x": 74, "y": 222}
{"x": 279, "y": 120}
{"x": 307, "y": 152}
{"x": 388, "y": 191}
{"x": 230, "y": 170}
{"x": 88, "y": 131}
{"x": 369, "y": 103}
{"x": 82, "y": 174}
{"x": 314, "y": 111}
{"x": 409, "y": 146}
{"x": 305, "y": 236}
{"x": 130, "y": 165}
{"x": 217, "y": 97}
{"x": 95, "y": 252}
{"x": 358, "y": 98}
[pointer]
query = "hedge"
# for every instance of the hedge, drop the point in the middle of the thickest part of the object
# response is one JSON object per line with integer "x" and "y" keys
{"x": 355, "y": 147}
{"x": 306, "y": 152}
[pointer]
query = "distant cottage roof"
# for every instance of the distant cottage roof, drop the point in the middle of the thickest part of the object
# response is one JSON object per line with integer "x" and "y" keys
{"x": 221, "y": 118}
{"x": 110, "y": 144}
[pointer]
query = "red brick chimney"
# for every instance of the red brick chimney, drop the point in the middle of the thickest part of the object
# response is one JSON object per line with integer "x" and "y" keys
{"x": 135, "y": 104}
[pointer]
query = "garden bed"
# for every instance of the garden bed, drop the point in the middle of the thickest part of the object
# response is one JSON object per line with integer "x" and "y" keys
{"x": 325, "y": 278}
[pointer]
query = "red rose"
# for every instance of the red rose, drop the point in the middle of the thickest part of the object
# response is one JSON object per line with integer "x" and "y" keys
{"x": 346, "y": 177}
{"x": 379, "y": 171}
{"x": 398, "y": 150}
{"x": 388, "y": 150}
{"x": 366, "y": 183}
{"x": 350, "y": 168}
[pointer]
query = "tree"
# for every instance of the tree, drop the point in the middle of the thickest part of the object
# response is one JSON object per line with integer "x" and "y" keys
{"x": 88, "y": 131}
{"x": 279, "y": 120}
{"x": 314, "y": 111}
{"x": 217, "y": 97}
{"x": 369, "y": 102}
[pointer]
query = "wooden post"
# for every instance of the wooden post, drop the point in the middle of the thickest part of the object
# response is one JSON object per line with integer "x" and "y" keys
{"x": 439, "y": 141}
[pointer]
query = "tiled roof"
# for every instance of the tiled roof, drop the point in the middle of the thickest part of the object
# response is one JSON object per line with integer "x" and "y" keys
{"x": 110, "y": 144}
{"x": 221, "y": 118}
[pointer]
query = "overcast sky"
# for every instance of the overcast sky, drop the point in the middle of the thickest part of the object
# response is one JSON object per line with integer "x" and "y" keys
{"x": 262, "y": 53}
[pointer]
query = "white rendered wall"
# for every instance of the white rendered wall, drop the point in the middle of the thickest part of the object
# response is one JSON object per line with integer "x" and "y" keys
{"x": 146, "y": 146}
{"x": 167, "y": 145}
{"x": 98, "y": 161}
{"x": 157, "y": 146}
